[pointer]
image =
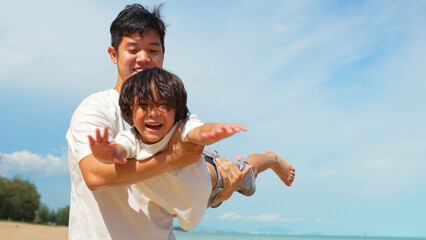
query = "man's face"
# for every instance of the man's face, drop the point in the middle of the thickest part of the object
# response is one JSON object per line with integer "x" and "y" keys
{"x": 136, "y": 53}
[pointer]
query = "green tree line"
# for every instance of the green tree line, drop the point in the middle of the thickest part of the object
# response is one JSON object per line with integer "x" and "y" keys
{"x": 20, "y": 201}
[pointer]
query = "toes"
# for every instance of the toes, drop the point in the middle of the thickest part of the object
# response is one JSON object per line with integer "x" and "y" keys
{"x": 288, "y": 182}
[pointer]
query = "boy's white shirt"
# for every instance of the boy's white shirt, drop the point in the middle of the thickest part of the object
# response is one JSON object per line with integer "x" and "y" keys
{"x": 184, "y": 191}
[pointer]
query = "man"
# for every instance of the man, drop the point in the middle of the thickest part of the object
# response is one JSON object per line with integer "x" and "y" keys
{"x": 119, "y": 211}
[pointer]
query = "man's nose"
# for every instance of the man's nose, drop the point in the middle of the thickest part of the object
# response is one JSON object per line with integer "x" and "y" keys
{"x": 143, "y": 57}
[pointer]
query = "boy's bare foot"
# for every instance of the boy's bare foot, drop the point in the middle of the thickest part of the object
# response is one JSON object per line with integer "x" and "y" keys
{"x": 283, "y": 169}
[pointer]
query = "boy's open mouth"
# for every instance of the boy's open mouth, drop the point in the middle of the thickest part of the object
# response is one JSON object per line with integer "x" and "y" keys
{"x": 154, "y": 126}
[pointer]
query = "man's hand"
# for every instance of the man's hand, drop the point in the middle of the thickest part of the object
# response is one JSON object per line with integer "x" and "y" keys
{"x": 180, "y": 154}
{"x": 103, "y": 150}
{"x": 232, "y": 176}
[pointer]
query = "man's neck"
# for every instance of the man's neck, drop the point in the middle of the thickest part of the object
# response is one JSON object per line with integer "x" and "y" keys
{"x": 118, "y": 86}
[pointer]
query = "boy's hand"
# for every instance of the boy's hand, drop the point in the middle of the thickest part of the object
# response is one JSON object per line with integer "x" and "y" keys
{"x": 103, "y": 150}
{"x": 222, "y": 130}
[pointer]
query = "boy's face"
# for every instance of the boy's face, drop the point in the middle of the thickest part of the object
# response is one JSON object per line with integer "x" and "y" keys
{"x": 153, "y": 120}
{"x": 136, "y": 53}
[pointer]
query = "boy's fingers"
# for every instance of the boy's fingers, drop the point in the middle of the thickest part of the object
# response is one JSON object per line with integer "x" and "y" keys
{"x": 219, "y": 130}
{"x": 229, "y": 129}
{"x": 98, "y": 135}
{"x": 91, "y": 140}
{"x": 105, "y": 137}
{"x": 237, "y": 129}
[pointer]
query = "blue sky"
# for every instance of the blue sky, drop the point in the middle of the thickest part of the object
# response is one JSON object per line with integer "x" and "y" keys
{"x": 335, "y": 87}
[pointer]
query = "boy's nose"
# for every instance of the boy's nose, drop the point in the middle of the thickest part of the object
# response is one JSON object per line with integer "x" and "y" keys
{"x": 152, "y": 111}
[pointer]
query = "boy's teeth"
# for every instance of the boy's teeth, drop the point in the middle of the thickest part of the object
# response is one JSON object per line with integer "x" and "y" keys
{"x": 154, "y": 124}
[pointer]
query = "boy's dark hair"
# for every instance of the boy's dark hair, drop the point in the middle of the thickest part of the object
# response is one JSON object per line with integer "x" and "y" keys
{"x": 138, "y": 89}
{"x": 136, "y": 19}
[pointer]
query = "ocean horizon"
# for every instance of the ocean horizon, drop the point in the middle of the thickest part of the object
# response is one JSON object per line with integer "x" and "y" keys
{"x": 191, "y": 235}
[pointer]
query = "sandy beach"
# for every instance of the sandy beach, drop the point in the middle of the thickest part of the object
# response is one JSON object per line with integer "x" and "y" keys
{"x": 20, "y": 231}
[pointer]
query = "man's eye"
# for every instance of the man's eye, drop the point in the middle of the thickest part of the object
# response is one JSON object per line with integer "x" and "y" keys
{"x": 132, "y": 51}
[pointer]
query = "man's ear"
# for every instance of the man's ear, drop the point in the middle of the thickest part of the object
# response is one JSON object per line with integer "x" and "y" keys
{"x": 112, "y": 54}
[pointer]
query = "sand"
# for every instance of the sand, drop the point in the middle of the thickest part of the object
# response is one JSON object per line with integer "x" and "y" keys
{"x": 22, "y": 231}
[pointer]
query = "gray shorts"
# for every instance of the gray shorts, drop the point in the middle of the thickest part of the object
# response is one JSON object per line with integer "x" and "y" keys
{"x": 247, "y": 187}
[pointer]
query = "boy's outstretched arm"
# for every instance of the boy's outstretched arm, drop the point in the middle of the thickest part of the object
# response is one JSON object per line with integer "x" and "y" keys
{"x": 210, "y": 133}
{"x": 107, "y": 152}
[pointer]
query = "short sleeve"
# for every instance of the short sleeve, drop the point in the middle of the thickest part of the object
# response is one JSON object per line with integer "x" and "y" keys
{"x": 191, "y": 122}
{"x": 128, "y": 140}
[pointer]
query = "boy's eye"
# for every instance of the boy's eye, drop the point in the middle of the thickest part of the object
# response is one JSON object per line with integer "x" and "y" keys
{"x": 132, "y": 51}
{"x": 162, "y": 106}
{"x": 144, "y": 106}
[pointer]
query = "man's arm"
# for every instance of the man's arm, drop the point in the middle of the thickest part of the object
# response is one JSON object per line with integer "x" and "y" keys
{"x": 210, "y": 133}
{"x": 98, "y": 175}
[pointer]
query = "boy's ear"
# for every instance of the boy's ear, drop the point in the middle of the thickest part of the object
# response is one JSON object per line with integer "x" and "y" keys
{"x": 112, "y": 54}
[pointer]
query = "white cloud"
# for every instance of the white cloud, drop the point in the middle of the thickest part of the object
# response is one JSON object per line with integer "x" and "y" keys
{"x": 25, "y": 162}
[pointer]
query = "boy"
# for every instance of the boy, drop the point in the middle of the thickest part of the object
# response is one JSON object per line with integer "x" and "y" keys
{"x": 154, "y": 101}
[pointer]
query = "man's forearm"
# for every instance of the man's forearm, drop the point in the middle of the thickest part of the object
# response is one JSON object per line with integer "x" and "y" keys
{"x": 99, "y": 176}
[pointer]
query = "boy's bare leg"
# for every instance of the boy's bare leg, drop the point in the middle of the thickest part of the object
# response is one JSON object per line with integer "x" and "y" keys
{"x": 269, "y": 159}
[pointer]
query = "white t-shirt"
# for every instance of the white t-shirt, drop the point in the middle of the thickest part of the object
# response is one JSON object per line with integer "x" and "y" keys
{"x": 184, "y": 191}
{"x": 117, "y": 213}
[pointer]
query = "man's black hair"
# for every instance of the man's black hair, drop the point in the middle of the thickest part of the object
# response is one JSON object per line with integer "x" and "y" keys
{"x": 136, "y": 19}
